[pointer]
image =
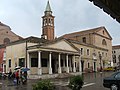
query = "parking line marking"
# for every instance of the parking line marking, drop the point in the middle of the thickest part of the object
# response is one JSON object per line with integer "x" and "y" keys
{"x": 88, "y": 84}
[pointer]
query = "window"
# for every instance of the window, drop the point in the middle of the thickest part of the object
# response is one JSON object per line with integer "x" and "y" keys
{"x": 106, "y": 54}
{"x": 88, "y": 52}
{"x": 75, "y": 64}
{"x": 114, "y": 58}
{"x": 102, "y": 53}
{"x": 114, "y": 51}
{"x": 4, "y": 55}
{"x": 88, "y": 65}
{"x": 22, "y": 62}
{"x": 104, "y": 42}
{"x": 84, "y": 39}
{"x": 44, "y": 62}
{"x": 34, "y": 62}
{"x": 98, "y": 52}
{"x": 103, "y": 32}
{"x": 9, "y": 63}
{"x": 117, "y": 76}
{"x": 81, "y": 51}
{"x": 6, "y": 41}
{"x": 49, "y": 21}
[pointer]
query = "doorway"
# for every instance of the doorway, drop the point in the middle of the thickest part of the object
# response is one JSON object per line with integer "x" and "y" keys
{"x": 82, "y": 65}
{"x": 94, "y": 67}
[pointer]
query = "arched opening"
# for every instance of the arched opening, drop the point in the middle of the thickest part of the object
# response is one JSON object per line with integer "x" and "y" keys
{"x": 104, "y": 42}
{"x": 84, "y": 39}
{"x": 6, "y": 41}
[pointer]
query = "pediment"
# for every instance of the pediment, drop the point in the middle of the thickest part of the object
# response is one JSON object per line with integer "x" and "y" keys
{"x": 104, "y": 32}
{"x": 62, "y": 45}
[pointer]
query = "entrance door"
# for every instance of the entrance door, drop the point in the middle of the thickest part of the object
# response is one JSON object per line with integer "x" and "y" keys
{"x": 94, "y": 68}
{"x": 53, "y": 65}
{"x": 82, "y": 65}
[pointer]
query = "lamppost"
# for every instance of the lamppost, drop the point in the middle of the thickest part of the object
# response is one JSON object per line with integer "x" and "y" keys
{"x": 100, "y": 57}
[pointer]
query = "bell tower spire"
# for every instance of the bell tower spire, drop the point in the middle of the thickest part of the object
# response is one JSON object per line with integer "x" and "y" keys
{"x": 48, "y": 23}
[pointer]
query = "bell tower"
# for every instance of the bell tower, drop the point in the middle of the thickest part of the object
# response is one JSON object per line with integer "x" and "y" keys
{"x": 48, "y": 23}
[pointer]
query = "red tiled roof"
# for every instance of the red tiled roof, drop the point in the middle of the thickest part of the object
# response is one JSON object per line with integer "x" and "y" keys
{"x": 116, "y": 47}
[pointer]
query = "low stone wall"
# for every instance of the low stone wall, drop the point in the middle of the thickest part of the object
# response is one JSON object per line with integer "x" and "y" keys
{"x": 47, "y": 76}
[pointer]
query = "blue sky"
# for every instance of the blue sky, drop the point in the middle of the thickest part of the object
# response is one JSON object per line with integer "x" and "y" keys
{"x": 24, "y": 17}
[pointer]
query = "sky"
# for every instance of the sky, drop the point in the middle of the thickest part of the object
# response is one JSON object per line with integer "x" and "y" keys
{"x": 24, "y": 17}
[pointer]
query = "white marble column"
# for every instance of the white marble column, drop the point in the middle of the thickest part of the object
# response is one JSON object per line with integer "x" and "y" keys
{"x": 50, "y": 66}
{"x": 80, "y": 69}
{"x": 67, "y": 68}
{"x": 39, "y": 63}
{"x": 59, "y": 62}
{"x": 74, "y": 68}
{"x": 28, "y": 62}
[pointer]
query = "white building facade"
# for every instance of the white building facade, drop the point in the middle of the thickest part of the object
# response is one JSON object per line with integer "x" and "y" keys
{"x": 116, "y": 55}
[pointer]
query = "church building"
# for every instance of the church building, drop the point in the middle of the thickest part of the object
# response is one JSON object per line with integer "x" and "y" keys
{"x": 71, "y": 54}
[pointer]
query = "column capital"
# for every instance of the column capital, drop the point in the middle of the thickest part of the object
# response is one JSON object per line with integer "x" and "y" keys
{"x": 59, "y": 53}
{"x": 50, "y": 52}
{"x": 39, "y": 51}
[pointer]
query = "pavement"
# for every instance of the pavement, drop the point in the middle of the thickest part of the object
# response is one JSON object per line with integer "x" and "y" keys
{"x": 92, "y": 81}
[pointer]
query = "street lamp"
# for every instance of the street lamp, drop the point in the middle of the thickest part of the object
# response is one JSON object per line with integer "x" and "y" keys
{"x": 100, "y": 57}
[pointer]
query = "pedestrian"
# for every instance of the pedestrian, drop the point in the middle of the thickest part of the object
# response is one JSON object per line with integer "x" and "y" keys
{"x": 23, "y": 78}
{"x": 25, "y": 75}
{"x": 10, "y": 74}
{"x": 17, "y": 76}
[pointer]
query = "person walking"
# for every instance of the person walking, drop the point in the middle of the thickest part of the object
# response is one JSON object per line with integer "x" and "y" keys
{"x": 17, "y": 76}
{"x": 10, "y": 74}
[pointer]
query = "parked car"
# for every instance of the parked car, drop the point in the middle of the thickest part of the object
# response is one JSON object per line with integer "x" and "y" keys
{"x": 109, "y": 69}
{"x": 113, "y": 81}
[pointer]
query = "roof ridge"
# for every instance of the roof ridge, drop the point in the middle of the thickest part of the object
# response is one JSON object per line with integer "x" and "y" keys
{"x": 90, "y": 30}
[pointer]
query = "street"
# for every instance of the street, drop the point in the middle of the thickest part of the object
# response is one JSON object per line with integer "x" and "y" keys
{"x": 92, "y": 81}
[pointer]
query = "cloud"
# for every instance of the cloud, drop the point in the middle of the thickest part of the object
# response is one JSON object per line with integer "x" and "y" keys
{"x": 24, "y": 16}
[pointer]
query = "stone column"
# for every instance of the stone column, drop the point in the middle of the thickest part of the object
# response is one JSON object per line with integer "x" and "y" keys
{"x": 59, "y": 68}
{"x": 28, "y": 62}
{"x": 80, "y": 70}
{"x": 50, "y": 66}
{"x": 39, "y": 63}
{"x": 67, "y": 68}
{"x": 74, "y": 68}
